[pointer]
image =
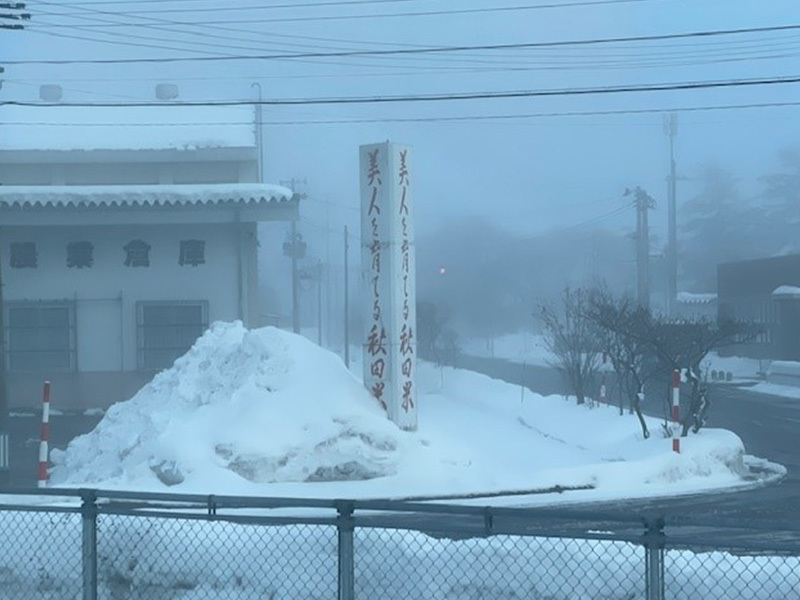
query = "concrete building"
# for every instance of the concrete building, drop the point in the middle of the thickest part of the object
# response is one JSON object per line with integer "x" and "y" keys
{"x": 123, "y": 235}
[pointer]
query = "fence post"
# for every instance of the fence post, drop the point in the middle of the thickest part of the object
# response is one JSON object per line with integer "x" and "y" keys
{"x": 89, "y": 546}
{"x": 654, "y": 559}
{"x": 345, "y": 525}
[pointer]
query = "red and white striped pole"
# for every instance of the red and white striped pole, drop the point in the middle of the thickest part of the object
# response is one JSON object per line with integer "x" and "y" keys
{"x": 44, "y": 438}
{"x": 676, "y": 411}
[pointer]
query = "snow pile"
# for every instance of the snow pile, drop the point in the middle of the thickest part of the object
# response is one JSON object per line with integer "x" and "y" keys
{"x": 261, "y": 405}
{"x": 270, "y": 413}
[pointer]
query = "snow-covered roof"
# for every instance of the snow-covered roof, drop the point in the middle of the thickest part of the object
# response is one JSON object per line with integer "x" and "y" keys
{"x": 110, "y": 196}
{"x": 786, "y": 291}
{"x": 166, "y": 127}
{"x": 695, "y": 298}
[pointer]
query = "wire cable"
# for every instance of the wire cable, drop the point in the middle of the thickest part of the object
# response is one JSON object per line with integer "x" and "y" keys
{"x": 428, "y": 50}
{"x": 228, "y": 9}
{"x": 453, "y": 119}
{"x": 624, "y": 89}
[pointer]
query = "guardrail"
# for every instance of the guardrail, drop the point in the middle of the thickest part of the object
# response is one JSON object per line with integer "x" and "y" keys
{"x": 118, "y": 545}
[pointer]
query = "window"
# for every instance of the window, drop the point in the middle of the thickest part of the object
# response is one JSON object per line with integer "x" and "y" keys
{"x": 137, "y": 254}
{"x": 80, "y": 254}
{"x": 23, "y": 255}
{"x": 40, "y": 336}
{"x": 193, "y": 252}
{"x": 166, "y": 330}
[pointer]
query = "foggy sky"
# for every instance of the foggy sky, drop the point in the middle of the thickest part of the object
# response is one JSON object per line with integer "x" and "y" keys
{"x": 525, "y": 175}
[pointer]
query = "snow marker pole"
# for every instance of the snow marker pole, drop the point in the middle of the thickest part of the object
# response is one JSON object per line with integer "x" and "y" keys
{"x": 44, "y": 438}
{"x": 676, "y": 411}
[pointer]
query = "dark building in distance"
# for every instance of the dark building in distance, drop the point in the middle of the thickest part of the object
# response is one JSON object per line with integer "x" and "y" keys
{"x": 764, "y": 291}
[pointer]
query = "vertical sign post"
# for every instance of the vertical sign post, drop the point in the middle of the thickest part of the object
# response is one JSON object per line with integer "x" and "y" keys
{"x": 388, "y": 263}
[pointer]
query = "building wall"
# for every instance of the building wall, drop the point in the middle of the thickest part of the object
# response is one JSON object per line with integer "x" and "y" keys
{"x": 140, "y": 168}
{"x": 105, "y": 296}
{"x": 745, "y": 292}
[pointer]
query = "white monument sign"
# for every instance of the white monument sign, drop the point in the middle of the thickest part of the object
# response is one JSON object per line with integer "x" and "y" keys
{"x": 387, "y": 258}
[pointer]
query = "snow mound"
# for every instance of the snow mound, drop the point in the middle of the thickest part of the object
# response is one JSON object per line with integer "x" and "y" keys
{"x": 265, "y": 405}
{"x": 267, "y": 412}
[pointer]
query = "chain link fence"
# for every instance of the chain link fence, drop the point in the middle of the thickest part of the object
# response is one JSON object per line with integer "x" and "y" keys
{"x": 128, "y": 546}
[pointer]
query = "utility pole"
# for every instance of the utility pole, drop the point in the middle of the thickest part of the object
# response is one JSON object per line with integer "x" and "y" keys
{"x": 671, "y": 130}
{"x": 295, "y": 248}
{"x": 319, "y": 303}
{"x": 313, "y": 274}
{"x": 643, "y": 203}
{"x": 259, "y": 133}
{"x": 10, "y": 18}
{"x": 319, "y": 271}
{"x": 346, "y": 302}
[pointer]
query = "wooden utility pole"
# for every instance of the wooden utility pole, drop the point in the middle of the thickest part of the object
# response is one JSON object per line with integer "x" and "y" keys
{"x": 259, "y": 132}
{"x": 346, "y": 301}
{"x": 319, "y": 302}
{"x": 295, "y": 248}
{"x": 671, "y": 130}
{"x": 643, "y": 203}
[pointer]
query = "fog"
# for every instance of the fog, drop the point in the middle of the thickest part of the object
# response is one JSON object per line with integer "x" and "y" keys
{"x": 515, "y": 197}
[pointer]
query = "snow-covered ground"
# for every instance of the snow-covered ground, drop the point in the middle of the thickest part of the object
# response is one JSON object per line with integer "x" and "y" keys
{"x": 774, "y": 389}
{"x": 269, "y": 413}
{"x": 144, "y": 559}
{"x": 740, "y": 367}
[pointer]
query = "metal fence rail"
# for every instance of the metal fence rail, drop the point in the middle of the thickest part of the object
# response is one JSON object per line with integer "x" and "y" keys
{"x": 110, "y": 545}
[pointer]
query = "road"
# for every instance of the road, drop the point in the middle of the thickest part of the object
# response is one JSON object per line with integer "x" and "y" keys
{"x": 768, "y": 425}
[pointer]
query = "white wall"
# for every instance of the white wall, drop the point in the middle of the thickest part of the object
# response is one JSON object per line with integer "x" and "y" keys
{"x": 141, "y": 167}
{"x": 106, "y": 294}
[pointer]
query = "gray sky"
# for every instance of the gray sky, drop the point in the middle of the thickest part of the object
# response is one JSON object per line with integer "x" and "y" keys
{"x": 528, "y": 175}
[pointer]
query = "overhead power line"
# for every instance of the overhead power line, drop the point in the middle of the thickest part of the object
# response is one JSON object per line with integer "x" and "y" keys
{"x": 745, "y": 49}
{"x": 498, "y": 62}
{"x": 659, "y": 87}
{"x": 361, "y": 16}
{"x": 448, "y": 119}
{"x": 426, "y": 50}
{"x": 207, "y": 28}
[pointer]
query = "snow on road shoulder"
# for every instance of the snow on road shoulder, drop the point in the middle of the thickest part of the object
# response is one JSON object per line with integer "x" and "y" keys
{"x": 267, "y": 412}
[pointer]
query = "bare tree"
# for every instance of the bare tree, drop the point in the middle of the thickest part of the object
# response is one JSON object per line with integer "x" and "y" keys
{"x": 573, "y": 339}
{"x": 644, "y": 347}
{"x": 622, "y": 324}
